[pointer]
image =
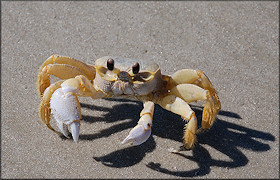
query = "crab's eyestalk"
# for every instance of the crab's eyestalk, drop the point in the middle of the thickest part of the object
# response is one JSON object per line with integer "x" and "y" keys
{"x": 110, "y": 64}
{"x": 136, "y": 68}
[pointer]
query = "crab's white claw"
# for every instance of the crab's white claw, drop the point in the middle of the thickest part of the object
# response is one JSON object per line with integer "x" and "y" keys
{"x": 75, "y": 129}
{"x": 140, "y": 133}
{"x": 66, "y": 110}
{"x": 137, "y": 135}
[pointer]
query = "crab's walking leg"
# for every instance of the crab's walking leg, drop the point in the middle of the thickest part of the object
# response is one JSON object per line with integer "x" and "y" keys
{"x": 142, "y": 131}
{"x": 197, "y": 77}
{"x": 180, "y": 107}
{"x": 184, "y": 76}
{"x": 44, "y": 108}
{"x": 63, "y": 68}
{"x": 212, "y": 105}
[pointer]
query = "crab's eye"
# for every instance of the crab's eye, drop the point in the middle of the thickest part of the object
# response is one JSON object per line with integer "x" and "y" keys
{"x": 110, "y": 64}
{"x": 136, "y": 68}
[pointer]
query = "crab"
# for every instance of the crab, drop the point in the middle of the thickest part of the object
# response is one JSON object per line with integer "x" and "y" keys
{"x": 112, "y": 77}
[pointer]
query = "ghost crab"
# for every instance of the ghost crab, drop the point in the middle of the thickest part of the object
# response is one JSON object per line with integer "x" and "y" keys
{"x": 127, "y": 78}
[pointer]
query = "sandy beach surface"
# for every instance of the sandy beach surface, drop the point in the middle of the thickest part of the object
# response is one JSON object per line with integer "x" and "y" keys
{"x": 236, "y": 44}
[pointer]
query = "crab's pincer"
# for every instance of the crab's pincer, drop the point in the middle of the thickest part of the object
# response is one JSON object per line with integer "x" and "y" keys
{"x": 137, "y": 135}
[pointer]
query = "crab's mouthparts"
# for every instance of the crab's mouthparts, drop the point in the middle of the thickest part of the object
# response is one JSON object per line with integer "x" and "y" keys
{"x": 124, "y": 76}
{"x": 122, "y": 88}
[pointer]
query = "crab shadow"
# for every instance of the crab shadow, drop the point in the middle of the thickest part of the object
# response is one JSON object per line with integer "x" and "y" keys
{"x": 226, "y": 137}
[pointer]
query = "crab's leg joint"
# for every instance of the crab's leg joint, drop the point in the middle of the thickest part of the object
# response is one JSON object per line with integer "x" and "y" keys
{"x": 142, "y": 131}
{"x": 63, "y": 68}
{"x": 179, "y": 106}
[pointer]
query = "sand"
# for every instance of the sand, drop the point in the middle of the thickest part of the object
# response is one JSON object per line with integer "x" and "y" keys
{"x": 236, "y": 44}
